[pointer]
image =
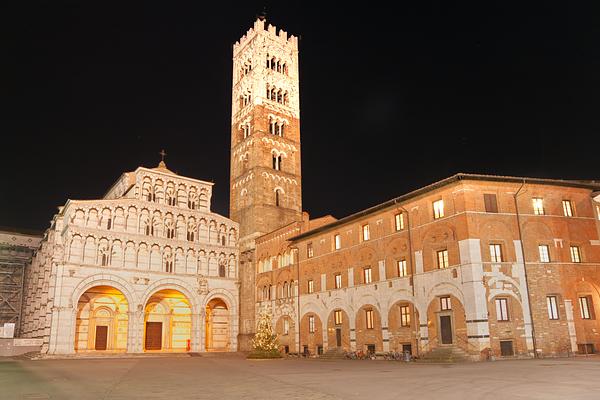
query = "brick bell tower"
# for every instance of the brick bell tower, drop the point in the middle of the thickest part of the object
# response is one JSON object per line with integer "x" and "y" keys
{"x": 265, "y": 184}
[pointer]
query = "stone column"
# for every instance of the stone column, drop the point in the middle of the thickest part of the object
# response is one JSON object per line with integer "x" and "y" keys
{"x": 325, "y": 334}
{"x": 135, "y": 330}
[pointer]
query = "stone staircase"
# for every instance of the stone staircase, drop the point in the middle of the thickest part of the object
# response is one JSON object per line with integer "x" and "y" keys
{"x": 445, "y": 354}
{"x": 334, "y": 354}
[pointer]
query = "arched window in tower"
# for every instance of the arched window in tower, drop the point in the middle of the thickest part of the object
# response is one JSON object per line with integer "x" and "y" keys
{"x": 278, "y": 66}
{"x": 286, "y": 99}
{"x": 285, "y": 68}
{"x": 191, "y": 231}
{"x": 276, "y": 162}
{"x": 271, "y": 126}
{"x": 278, "y": 195}
{"x": 281, "y": 128}
{"x": 273, "y": 63}
{"x": 268, "y": 61}
{"x": 280, "y": 96}
{"x": 222, "y": 270}
{"x": 268, "y": 92}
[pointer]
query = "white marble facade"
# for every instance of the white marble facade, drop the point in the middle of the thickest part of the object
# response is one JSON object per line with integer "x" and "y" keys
{"x": 152, "y": 238}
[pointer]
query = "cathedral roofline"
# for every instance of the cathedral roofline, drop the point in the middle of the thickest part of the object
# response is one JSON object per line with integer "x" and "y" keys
{"x": 592, "y": 185}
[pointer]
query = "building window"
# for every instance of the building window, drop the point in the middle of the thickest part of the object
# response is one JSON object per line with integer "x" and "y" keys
{"x": 277, "y": 161}
{"x": 367, "y": 275}
{"x": 575, "y": 254}
{"x": 309, "y": 250}
{"x": 338, "y": 281}
{"x": 170, "y": 233}
{"x": 365, "y": 232}
{"x": 402, "y": 268}
{"x": 502, "y": 309}
{"x": 404, "y": 316}
{"x": 552, "y": 307}
{"x": 311, "y": 324}
{"x": 496, "y": 253}
{"x": 442, "y": 259}
{"x": 337, "y": 239}
{"x": 369, "y": 316}
{"x": 438, "y": 209}
{"x": 586, "y": 307}
{"x": 538, "y": 206}
{"x": 491, "y": 203}
{"x": 286, "y": 326}
{"x": 169, "y": 266}
{"x": 399, "y": 221}
{"x": 104, "y": 262}
{"x": 544, "y": 253}
{"x": 445, "y": 303}
{"x": 567, "y": 208}
{"x": 337, "y": 314}
{"x": 311, "y": 286}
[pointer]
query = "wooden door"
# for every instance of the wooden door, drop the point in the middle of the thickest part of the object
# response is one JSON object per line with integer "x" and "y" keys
{"x": 338, "y": 337}
{"x": 101, "y": 337}
{"x": 153, "y": 335}
{"x": 446, "y": 329}
{"x": 219, "y": 321}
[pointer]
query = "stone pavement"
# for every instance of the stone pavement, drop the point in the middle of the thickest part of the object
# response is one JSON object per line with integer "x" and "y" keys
{"x": 233, "y": 377}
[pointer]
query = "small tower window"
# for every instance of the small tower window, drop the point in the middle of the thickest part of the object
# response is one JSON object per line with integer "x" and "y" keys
{"x": 277, "y": 163}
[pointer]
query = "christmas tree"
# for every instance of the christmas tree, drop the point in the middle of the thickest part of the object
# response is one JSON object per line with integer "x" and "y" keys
{"x": 265, "y": 341}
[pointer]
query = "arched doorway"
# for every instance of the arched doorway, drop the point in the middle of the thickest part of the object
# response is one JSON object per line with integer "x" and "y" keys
{"x": 217, "y": 326}
{"x": 338, "y": 330}
{"x": 102, "y": 320}
{"x": 403, "y": 327}
{"x": 167, "y": 322}
{"x": 369, "y": 336}
{"x": 446, "y": 322}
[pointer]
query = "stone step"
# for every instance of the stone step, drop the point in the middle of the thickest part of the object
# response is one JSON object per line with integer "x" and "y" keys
{"x": 445, "y": 354}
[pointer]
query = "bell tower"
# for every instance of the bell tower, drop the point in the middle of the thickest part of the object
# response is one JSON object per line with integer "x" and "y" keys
{"x": 265, "y": 186}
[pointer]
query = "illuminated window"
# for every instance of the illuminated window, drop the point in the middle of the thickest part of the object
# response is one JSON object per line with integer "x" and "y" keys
{"x": 338, "y": 281}
{"x": 399, "y": 221}
{"x": 367, "y": 275}
{"x": 567, "y": 208}
{"x": 311, "y": 286}
{"x": 311, "y": 324}
{"x": 442, "y": 259}
{"x": 338, "y": 317}
{"x": 502, "y": 309}
{"x": 277, "y": 161}
{"x": 402, "y": 268}
{"x": 538, "y": 205}
{"x": 369, "y": 316}
{"x": 496, "y": 253}
{"x": 575, "y": 254}
{"x": 365, "y": 232}
{"x": 445, "y": 303}
{"x": 337, "y": 239}
{"x": 586, "y": 307}
{"x": 286, "y": 326}
{"x": 552, "y": 307}
{"x": 544, "y": 253}
{"x": 438, "y": 209}
{"x": 404, "y": 316}
{"x": 309, "y": 250}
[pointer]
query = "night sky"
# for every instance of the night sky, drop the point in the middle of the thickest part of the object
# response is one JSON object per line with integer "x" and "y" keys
{"x": 391, "y": 99}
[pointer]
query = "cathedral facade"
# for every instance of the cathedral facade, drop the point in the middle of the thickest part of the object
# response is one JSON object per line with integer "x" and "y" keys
{"x": 146, "y": 268}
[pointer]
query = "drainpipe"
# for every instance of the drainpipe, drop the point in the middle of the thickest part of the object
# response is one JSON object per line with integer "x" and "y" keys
{"x": 412, "y": 277}
{"x": 535, "y": 354}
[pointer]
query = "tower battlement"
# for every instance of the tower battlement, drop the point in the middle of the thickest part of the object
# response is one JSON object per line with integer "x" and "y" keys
{"x": 258, "y": 28}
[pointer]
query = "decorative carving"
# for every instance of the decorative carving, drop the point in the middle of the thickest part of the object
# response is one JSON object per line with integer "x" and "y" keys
{"x": 202, "y": 285}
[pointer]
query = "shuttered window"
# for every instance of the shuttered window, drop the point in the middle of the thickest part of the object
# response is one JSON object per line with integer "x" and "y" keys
{"x": 491, "y": 203}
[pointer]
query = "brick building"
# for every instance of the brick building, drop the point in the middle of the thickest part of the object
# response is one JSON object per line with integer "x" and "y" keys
{"x": 475, "y": 262}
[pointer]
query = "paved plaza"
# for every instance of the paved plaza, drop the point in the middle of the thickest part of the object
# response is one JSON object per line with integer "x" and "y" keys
{"x": 233, "y": 377}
